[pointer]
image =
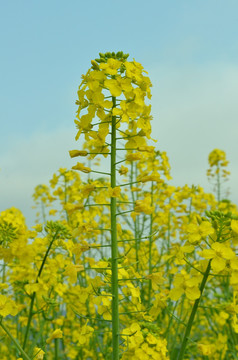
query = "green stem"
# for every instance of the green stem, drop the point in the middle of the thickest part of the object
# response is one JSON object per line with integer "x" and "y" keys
{"x": 193, "y": 313}
{"x": 18, "y": 346}
{"x": 218, "y": 184}
{"x": 56, "y": 349}
{"x": 150, "y": 246}
{"x": 114, "y": 248}
{"x": 34, "y": 293}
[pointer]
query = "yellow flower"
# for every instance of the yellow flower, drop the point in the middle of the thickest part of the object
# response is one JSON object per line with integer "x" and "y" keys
{"x": 197, "y": 232}
{"x": 123, "y": 170}
{"x": 113, "y": 86}
{"x": 7, "y": 306}
{"x": 206, "y": 349}
{"x": 52, "y": 212}
{"x": 184, "y": 284}
{"x": 144, "y": 206}
{"x": 84, "y": 334}
{"x": 57, "y": 334}
{"x": 38, "y": 353}
{"x": 216, "y": 156}
{"x": 81, "y": 167}
{"x": 114, "y": 192}
{"x": 75, "y": 153}
{"x": 153, "y": 177}
{"x": 234, "y": 226}
{"x": 149, "y": 149}
{"x": 38, "y": 228}
{"x": 219, "y": 253}
{"x": 71, "y": 271}
{"x": 87, "y": 189}
{"x": 133, "y": 156}
{"x": 156, "y": 279}
{"x": 111, "y": 66}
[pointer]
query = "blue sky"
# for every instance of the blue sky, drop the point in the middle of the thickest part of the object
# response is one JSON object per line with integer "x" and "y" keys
{"x": 189, "y": 48}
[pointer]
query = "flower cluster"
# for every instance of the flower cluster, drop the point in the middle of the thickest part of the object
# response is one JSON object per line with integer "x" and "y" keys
{"x": 120, "y": 263}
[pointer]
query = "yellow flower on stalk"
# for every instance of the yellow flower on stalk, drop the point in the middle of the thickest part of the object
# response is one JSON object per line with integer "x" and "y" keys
{"x": 38, "y": 353}
{"x": 153, "y": 177}
{"x": 198, "y": 232}
{"x": 234, "y": 226}
{"x": 144, "y": 206}
{"x": 84, "y": 334}
{"x": 133, "y": 335}
{"x": 75, "y": 153}
{"x": 206, "y": 349}
{"x": 56, "y": 334}
{"x": 111, "y": 66}
{"x": 134, "y": 70}
{"x": 149, "y": 149}
{"x": 123, "y": 170}
{"x": 38, "y": 228}
{"x": 219, "y": 253}
{"x": 217, "y": 156}
{"x": 113, "y": 86}
{"x": 156, "y": 279}
{"x": 133, "y": 157}
{"x": 71, "y": 271}
{"x": 87, "y": 189}
{"x": 7, "y": 306}
{"x": 184, "y": 284}
{"x": 122, "y": 112}
{"x": 81, "y": 167}
{"x": 114, "y": 192}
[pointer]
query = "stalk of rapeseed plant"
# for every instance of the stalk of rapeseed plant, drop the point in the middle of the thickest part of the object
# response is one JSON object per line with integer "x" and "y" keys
{"x": 113, "y": 73}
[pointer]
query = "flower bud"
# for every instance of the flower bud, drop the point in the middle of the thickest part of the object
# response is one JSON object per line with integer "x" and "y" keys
{"x": 75, "y": 153}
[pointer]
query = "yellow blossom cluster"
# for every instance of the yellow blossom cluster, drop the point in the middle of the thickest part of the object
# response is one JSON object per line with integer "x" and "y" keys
{"x": 172, "y": 248}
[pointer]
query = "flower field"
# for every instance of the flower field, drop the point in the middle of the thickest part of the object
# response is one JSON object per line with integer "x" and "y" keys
{"x": 120, "y": 264}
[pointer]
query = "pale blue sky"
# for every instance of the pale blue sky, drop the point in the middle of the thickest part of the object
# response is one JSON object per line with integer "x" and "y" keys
{"x": 189, "y": 48}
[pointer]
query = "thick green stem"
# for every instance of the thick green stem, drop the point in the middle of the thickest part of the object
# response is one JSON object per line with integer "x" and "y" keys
{"x": 193, "y": 313}
{"x": 114, "y": 248}
{"x": 18, "y": 346}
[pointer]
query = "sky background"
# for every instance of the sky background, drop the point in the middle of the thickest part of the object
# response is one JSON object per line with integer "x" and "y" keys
{"x": 189, "y": 49}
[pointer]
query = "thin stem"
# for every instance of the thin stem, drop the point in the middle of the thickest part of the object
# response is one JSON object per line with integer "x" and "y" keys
{"x": 34, "y": 293}
{"x": 193, "y": 313}
{"x": 18, "y": 346}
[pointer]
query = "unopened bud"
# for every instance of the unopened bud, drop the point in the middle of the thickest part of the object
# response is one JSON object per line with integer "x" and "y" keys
{"x": 95, "y": 65}
{"x": 75, "y": 153}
